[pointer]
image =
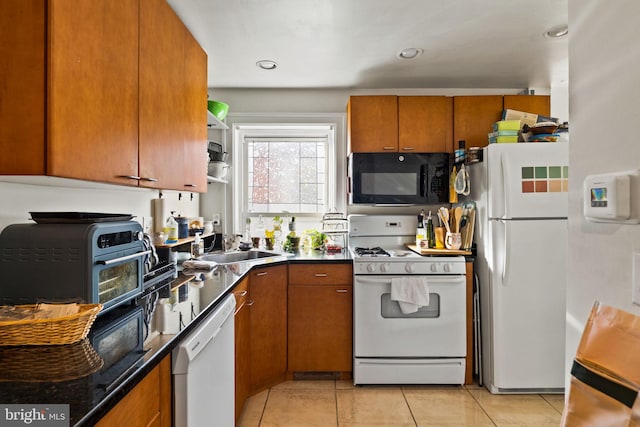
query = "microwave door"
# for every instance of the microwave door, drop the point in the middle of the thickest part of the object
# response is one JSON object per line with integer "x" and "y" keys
{"x": 424, "y": 181}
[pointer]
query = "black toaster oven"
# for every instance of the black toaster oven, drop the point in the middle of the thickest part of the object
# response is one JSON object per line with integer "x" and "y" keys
{"x": 91, "y": 263}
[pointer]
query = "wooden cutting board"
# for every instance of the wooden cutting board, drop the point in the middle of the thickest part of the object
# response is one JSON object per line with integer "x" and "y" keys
{"x": 434, "y": 251}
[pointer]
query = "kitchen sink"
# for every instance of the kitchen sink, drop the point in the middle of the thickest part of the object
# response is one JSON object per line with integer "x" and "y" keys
{"x": 233, "y": 257}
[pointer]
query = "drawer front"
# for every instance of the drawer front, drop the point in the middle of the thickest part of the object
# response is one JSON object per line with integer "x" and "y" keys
{"x": 320, "y": 274}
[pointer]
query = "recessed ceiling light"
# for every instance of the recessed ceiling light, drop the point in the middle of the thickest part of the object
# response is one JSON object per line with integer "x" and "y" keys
{"x": 266, "y": 64}
{"x": 410, "y": 53}
{"x": 557, "y": 32}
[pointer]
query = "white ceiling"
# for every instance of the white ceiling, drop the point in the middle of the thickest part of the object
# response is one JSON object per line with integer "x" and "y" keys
{"x": 354, "y": 43}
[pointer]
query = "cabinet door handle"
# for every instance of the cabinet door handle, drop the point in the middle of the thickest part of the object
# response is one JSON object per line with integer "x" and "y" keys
{"x": 408, "y": 148}
{"x": 388, "y": 148}
{"x": 250, "y": 303}
{"x": 262, "y": 273}
{"x": 137, "y": 178}
{"x": 191, "y": 185}
{"x": 149, "y": 179}
{"x": 342, "y": 291}
{"x": 241, "y": 294}
{"x": 321, "y": 274}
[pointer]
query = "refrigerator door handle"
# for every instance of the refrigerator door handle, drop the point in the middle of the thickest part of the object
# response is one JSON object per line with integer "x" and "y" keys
{"x": 507, "y": 257}
{"x": 504, "y": 167}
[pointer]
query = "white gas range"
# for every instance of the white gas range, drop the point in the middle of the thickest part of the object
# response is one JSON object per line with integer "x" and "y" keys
{"x": 391, "y": 345}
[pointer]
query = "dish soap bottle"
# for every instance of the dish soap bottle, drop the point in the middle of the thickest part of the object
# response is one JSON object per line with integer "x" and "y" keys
{"x": 431, "y": 240}
{"x": 197, "y": 247}
{"x": 172, "y": 230}
{"x": 421, "y": 242}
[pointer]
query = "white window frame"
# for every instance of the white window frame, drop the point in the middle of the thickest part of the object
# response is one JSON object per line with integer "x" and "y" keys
{"x": 304, "y": 125}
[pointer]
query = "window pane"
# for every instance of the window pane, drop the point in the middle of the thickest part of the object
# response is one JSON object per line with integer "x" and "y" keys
{"x": 286, "y": 175}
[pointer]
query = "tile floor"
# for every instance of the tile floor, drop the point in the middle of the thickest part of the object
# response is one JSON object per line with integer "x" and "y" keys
{"x": 340, "y": 403}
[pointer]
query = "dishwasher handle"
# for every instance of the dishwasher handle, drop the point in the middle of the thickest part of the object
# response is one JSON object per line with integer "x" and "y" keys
{"x": 206, "y": 331}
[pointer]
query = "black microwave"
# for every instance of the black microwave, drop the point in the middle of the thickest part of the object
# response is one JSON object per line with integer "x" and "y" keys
{"x": 399, "y": 178}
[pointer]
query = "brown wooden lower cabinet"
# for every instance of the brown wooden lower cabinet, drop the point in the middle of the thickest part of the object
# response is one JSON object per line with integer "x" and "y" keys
{"x": 242, "y": 321}
{"x": 320, "y": 322}
{"x": 147, "y": 404}
{"x": 320, "y": 328}
{"x": 268, "y": 326}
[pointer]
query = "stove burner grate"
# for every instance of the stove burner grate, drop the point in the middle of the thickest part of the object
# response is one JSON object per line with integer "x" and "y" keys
{"x": 377, "y": 251}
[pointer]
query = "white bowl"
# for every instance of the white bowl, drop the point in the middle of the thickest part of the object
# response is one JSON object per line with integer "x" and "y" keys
{"x": 217, "y": 169}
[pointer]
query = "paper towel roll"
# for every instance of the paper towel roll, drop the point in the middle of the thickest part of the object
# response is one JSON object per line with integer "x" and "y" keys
{"x": 159, "y": 214}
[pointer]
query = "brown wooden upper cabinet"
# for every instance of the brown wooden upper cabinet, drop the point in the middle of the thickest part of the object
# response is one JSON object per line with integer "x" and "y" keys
{"x": 474, "y": 116}
{"x": 173, "y": 102}
{"x": 77, "y": 92}
{"x": 71, "y": 109}
{"x": 389, "y": 123}
{"x": 425, "y": 124}
{"x": 372, "y": 123}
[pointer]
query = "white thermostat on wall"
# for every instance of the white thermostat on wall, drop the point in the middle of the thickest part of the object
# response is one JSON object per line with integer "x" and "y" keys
{"x": 608, "y": 197}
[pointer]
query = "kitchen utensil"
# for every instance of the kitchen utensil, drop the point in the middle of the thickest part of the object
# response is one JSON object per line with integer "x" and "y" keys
{"x": 183, "y": 227}
{"x": 443, "y": 214}
{"x": 218, "y": 109}
{"x": 457, "y": 218}
{"x": 453, "y": 241}
{"x": 464, "y": 230}
{"x": 462, "y": 182}
{"x": 217, "y": 169}
{"x": 214, "y": 146}
{"x": 245, "y": 246}
{"x": 472, "y": 221}
{"x": 218, "y": 156}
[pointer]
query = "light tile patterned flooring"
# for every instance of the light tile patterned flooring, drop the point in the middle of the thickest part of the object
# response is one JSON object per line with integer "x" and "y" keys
{"x": 341, "y": 404}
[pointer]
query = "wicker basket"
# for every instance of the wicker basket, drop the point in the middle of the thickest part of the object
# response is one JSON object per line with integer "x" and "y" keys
{"x": 60, "y": 330}
{"x": 50, "y": 363}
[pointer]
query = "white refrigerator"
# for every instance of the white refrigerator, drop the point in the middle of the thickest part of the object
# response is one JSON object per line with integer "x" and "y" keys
{"x": 521, "y": 195}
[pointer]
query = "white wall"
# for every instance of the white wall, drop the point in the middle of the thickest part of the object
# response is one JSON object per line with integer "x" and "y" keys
{"x": 604, "y": 89}
{"x": 43, "y": 194}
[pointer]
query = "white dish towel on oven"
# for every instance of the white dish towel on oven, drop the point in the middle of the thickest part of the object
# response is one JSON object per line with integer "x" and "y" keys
{"x": 410, "y": 292}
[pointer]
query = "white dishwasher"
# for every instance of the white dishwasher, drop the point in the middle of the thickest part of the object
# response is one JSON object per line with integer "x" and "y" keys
{"x": 204, "y": 372}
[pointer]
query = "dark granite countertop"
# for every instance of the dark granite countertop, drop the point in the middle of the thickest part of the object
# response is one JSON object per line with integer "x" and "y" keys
{"x": 93, "y": 375}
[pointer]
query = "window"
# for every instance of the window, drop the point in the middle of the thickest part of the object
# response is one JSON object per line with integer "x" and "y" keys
{"x": 286, "y": 174}
{"x": 287, "y": 168}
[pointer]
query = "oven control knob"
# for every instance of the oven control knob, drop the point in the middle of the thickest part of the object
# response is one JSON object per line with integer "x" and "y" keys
{"x": 408, "y": 268}
{"x": 434, "y": 268}
{"x": 446, "y": 268}
{"x": 371, "y": 268}
{"x": 384, "y": 267}
{"x": 138, "y": 235}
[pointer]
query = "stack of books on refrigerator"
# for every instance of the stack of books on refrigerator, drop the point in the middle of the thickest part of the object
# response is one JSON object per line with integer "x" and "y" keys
{"x": 505, "y": 131}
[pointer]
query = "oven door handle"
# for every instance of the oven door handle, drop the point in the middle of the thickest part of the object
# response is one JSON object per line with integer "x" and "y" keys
{"x": 124, "y": 258}
{"x": 440, "y": 279}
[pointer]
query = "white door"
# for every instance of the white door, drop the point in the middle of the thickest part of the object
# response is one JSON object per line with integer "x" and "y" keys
{"x": 382, "y": 330}
{"x": 528, "y": 287}
{"x": 527, "y": 180}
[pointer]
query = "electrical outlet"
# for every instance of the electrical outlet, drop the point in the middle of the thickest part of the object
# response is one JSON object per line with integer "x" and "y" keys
{"x": 147, "y": 224}
{"x": 216, "y": 219}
